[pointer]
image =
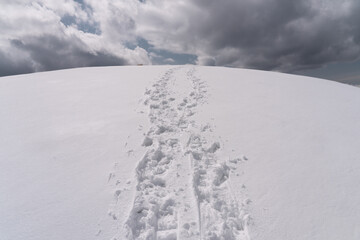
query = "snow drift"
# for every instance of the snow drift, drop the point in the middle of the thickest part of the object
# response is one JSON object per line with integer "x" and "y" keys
{"x": 178, "y": 152}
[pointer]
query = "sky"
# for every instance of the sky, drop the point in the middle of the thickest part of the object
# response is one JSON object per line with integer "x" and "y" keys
{"x": 318, "y": 38}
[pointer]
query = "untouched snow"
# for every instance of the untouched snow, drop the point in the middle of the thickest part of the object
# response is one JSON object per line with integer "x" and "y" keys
{"x": 184, "y": 152}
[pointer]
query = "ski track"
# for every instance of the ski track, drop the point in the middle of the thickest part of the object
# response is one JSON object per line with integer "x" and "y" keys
{"x": 182, "y": 189}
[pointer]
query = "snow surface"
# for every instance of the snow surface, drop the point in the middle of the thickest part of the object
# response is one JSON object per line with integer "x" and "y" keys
{"x": 178, "y": 152}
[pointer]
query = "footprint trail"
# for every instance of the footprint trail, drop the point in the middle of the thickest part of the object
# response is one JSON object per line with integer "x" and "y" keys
{"x": 183, "y": 189}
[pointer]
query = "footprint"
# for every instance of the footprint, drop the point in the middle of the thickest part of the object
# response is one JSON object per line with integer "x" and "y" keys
{"x": 147, "y": 142}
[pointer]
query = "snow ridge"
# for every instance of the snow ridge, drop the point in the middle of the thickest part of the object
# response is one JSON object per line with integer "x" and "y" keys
{"x": 182, "y": 189}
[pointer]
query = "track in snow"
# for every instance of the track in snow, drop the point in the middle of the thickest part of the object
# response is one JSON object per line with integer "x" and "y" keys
{"x": 182, "y": 189}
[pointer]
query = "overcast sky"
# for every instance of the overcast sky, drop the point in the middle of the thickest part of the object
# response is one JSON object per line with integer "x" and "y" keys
{"x": 311, "y": 37}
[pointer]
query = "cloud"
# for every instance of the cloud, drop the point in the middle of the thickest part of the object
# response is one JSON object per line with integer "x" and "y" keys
{"x": 282, "y": 35}
{"x": 49, "y": 35}
{"x": 50, "y": 52}
{"x": 10, "y": 64}
{"x": 273, "y": 34}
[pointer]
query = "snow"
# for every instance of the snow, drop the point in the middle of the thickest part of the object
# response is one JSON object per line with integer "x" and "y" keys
{"x": 178, "y": 152}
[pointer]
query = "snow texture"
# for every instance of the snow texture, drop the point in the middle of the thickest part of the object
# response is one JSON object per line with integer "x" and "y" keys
{"x": 178, "y": 152}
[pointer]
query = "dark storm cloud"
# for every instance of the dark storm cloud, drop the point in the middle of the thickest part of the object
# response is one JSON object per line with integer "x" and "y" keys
{"x": 278, "y": 34}
{"x": 9, "y": 66}
{"x": 50, "y": 52}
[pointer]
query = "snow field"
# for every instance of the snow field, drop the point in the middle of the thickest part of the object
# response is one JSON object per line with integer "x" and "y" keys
{"x": 158, "y": 153}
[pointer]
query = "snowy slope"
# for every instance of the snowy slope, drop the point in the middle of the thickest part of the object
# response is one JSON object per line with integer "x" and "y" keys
{"x": 182, "y": 152}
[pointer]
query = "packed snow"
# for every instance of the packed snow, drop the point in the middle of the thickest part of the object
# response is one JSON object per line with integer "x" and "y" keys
{"x": 178, "y": 152}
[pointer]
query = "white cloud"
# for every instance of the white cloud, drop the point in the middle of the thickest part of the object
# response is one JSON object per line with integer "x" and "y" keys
{"x": 33, "y": 38}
